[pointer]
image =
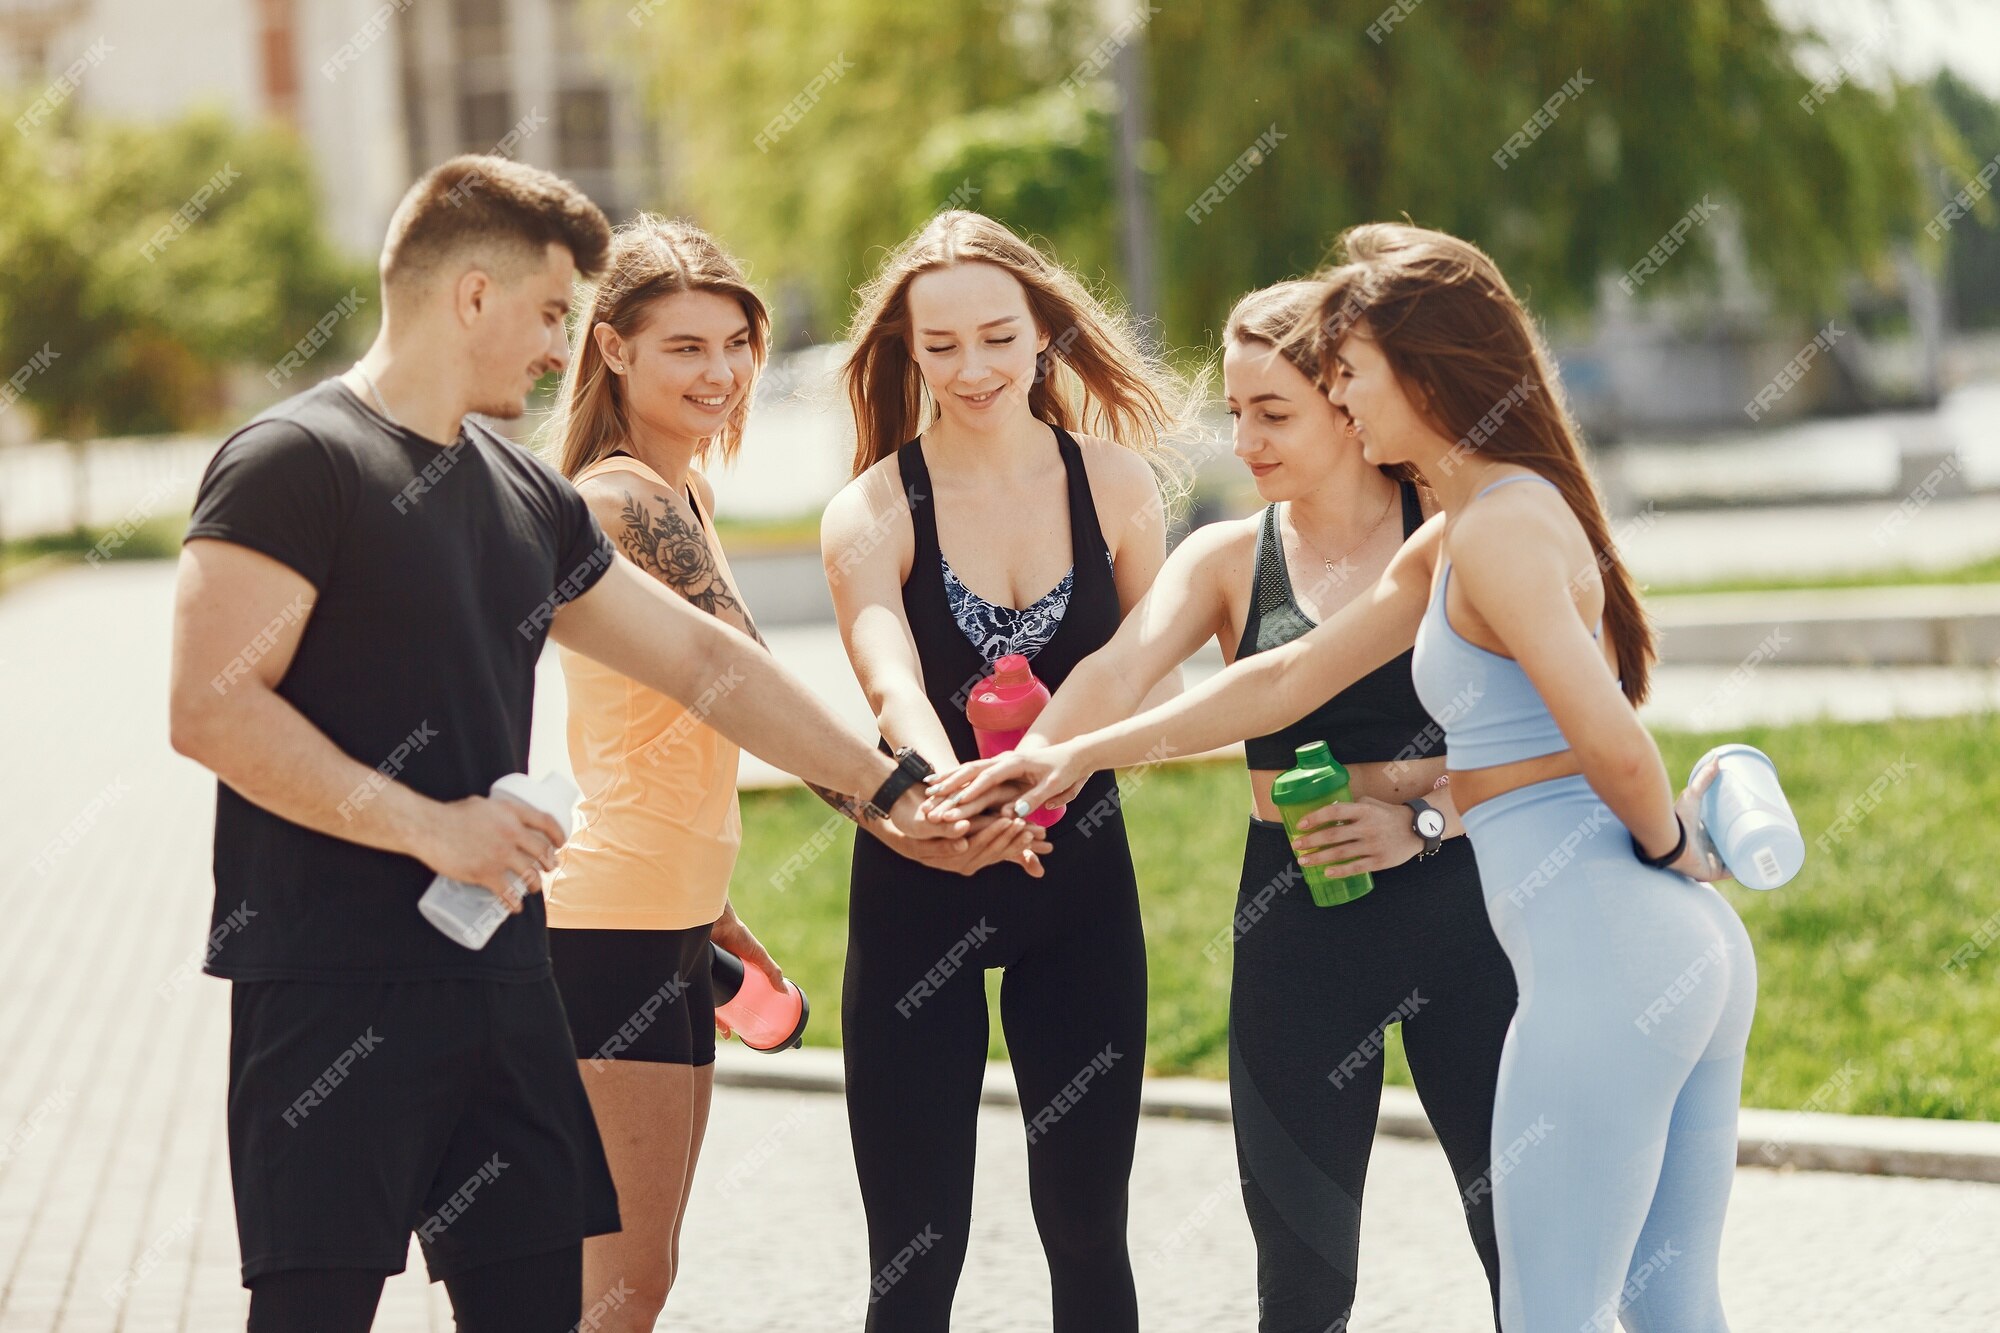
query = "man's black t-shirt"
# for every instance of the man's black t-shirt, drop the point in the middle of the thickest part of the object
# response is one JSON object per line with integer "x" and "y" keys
{"x": 437, "y": 572}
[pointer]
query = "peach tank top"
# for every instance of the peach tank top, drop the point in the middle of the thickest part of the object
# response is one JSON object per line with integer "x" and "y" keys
{"x": 658, "y": 830}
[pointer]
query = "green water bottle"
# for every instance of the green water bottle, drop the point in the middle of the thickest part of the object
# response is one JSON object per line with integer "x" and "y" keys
{"x": 1318, "y": 780}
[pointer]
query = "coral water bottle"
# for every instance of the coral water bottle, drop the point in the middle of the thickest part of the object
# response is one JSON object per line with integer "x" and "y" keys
{"x": 1002, "y": 708}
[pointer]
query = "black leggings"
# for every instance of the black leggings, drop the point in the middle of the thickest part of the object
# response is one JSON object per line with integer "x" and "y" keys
{"x": 541, "y": 1293}
{"x": 914, "y": 1029}
{"x": 1314, "y": 988}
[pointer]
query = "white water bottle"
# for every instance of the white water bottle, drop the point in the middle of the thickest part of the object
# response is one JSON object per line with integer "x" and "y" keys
{"x": 1746, "y": 819}
{"x": 469, "y": 914}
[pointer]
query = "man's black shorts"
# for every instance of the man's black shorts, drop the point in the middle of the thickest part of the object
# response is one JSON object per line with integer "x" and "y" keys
{"x": 360, "y": 1112}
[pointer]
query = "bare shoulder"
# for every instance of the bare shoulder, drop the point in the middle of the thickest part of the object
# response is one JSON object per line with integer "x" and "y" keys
{"x": 704, "y": 488}
{"x": 1494, "y": 524}
{"x": 870, "y": 508}
{"x": 1124, "y": 488}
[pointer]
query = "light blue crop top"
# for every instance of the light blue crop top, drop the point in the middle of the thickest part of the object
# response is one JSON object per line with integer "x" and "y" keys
{"x": 1490, "y": 711}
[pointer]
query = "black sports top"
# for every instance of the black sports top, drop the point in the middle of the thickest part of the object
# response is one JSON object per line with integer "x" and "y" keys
{"x": 953, "y": 666}
{"x": 1375, "y": 719}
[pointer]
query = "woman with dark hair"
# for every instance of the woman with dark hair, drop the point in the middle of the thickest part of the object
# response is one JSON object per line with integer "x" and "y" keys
{"x": 1313, "y": 988}
{"x": 1619, "y": 1083}
{"x": 979, "y": 525}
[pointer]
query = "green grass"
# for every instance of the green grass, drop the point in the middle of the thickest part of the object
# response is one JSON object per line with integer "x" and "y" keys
{"x": 157, "y": 538}
{"x": 1979, "y": 571}
{"x": 1851, "y": 955}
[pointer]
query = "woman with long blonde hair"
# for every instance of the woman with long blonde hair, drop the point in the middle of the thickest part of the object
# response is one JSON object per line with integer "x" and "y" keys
{"x": 982, "y": 522}
{"x": 1619, "y": 1080}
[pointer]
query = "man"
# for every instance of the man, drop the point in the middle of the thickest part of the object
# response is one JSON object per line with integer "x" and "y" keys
{"x": 364, "y": 590}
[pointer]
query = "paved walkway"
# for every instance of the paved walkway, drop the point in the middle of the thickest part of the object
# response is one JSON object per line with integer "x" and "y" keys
{"x": 114, "y": 1199}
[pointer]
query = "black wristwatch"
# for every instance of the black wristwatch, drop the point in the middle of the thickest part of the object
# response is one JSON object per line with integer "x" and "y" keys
{"x": 1427, "y": 822}
{"x": 911, "y": 768}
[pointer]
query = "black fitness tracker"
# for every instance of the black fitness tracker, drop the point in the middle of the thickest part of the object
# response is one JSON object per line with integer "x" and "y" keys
{"x": 1427, "y": 822}
{"x": 1662, "y": 862}
{"x": 911, "y": 768}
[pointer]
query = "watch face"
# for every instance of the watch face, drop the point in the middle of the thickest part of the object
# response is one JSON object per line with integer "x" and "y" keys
{"x": 1430, "y": 823}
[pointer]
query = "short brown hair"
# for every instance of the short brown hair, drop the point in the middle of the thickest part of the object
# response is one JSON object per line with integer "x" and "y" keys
{"x": 504, "y": 210}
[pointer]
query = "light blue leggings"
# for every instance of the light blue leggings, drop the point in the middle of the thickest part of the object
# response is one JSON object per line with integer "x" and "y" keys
{"x": 1614, "y": 1130}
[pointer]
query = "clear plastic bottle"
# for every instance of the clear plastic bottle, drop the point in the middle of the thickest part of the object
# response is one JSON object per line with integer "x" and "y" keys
{"x": 469, "y": 914}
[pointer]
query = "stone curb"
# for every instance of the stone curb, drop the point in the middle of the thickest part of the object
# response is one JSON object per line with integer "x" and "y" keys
{"x": 1799, "y": 1140}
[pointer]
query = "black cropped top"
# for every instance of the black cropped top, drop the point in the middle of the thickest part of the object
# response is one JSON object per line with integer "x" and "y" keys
{"x": 1377, "y": 718}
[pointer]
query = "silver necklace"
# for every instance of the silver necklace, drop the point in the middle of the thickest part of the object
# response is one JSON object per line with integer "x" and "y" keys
{"x": 369, "y": 380}
{"x": 1331, "y": 569}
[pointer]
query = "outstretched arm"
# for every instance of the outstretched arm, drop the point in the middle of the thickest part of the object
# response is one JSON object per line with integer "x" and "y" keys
{"x": 1182, "y": 610}
{"x": 1254, "y": 695}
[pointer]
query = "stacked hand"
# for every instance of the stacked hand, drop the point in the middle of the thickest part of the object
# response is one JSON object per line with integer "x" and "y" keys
{"x": 1018, "y": 782}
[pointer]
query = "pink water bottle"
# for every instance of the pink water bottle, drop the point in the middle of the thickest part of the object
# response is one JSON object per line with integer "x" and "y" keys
{"x": 768, "y": 1019}
{"x": 1002, "y": 708}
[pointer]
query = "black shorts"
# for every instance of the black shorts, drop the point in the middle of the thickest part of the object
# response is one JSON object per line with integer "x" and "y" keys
{"x": 360, "y": 1112}
{"x": 637, "y": 994}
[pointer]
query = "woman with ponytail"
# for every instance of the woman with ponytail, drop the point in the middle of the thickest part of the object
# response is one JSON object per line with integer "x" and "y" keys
{"x": 1619, "y": 1081}
{"x": 982, "y": 521}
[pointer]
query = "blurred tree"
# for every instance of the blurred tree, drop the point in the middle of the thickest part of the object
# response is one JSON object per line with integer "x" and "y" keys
{"x": 139, "y": 264}
{"x": 1363, "y": 112}
{"x": 1972, "y": 245}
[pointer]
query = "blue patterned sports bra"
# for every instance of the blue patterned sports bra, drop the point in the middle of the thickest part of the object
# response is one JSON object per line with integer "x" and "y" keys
{"x": 998, "y": 630}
